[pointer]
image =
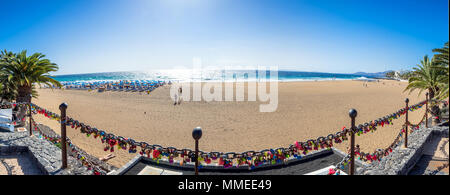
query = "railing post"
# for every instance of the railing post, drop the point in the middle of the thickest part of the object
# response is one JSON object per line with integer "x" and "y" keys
{"x": 426, "y": 111}
{"x": 352, "y": 113}
{"x": 63, "y": 108}
{"x": 406, "y": 122}
{"x": 196, "y": 134}
{"x": 31, "y": 114}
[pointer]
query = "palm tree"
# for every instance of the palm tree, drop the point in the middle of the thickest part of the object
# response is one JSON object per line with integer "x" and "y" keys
{"x": 7, "y": 89}
{"x": 442, "y": 56}
{"x": 6, "y": 56}
{"x": 20, "y": 73}
{"x": 443, "y": 84}
{"x": 426, "y": 77}
{"x": 442, "y": 64}
{"x": 26, "y": 71}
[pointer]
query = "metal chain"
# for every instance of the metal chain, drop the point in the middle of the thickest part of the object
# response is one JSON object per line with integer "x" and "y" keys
{"x": 269, "y": 155}
{"x": 378, "y": 154}
{"x": 342, "y": 163}
{"x": 72, "y": 147}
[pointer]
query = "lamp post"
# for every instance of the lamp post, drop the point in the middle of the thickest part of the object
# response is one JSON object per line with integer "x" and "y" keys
{"x": 196, "y": 134}
{"x": 352, "y": 113}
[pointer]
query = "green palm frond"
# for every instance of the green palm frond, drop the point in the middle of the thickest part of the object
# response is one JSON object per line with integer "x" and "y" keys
{"x": 425, "y": 77}
{"x": 442, "y": 55}
{"x": 442, "y": 66}
{"x": 22, "y": 72}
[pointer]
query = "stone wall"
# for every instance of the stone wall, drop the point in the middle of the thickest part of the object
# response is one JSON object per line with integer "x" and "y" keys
{"x": 402, "y": 160}
{"x": 45, "y": 155}
{"x": 101, "y": 164}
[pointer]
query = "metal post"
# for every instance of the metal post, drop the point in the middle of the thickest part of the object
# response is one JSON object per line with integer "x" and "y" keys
{"x": 352, "y": 113}
{"x": 63, "y": 108}
{"x": 30, "y": 116}
{"x": 407, "y": 123}
{"x": 426, "y": 111}
{"x": 196, "y": 157}
{"x": 196, "y": 134}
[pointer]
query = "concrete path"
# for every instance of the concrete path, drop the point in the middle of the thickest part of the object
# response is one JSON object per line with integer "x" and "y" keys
{"x": 19, "y": 164}
{"x": 45, "y": 155}
{"x": 435, "y": 155}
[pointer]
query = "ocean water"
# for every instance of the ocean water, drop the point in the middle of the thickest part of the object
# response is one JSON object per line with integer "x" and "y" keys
{"x": 206, "y": 76}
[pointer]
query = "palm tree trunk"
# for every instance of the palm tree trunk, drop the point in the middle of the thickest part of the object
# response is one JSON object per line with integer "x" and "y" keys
{"x": 23, "y": 96}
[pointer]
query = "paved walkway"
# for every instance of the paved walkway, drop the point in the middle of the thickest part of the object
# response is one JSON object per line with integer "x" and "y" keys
{"x": 435, "y": 155}
{"x": 19, "y": 164}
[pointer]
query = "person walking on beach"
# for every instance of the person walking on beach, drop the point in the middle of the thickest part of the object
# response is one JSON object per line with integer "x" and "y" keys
{"x": 175, "y": 100}
{"x": 178, "y": 96}
{"x": 180, "y": 93}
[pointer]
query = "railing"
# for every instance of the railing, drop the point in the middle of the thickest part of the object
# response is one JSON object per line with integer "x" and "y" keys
{"x": 252, "y": 159}
{"x": 74, "y": 151}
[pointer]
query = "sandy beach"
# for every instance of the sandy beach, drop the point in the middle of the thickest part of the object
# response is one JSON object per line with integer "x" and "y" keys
{"x": 306, "y": 110}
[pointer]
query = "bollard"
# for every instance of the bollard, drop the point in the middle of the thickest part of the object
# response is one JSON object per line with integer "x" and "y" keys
{"x": 196, "y": 134}
{"x": 426, "y": 111}
{"x": 407, "y": 123}
{"x": 352, "y": 113}
{"x": 63, "y": 108}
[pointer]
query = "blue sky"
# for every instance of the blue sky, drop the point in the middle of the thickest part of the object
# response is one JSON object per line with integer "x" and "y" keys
{"x": 342, "y": 36}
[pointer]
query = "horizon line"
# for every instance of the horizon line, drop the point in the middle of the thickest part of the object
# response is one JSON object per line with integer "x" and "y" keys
{"x": 285, "y": 70}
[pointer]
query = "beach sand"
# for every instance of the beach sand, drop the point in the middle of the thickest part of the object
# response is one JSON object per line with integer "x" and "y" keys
{"x": 306, "y": 110}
